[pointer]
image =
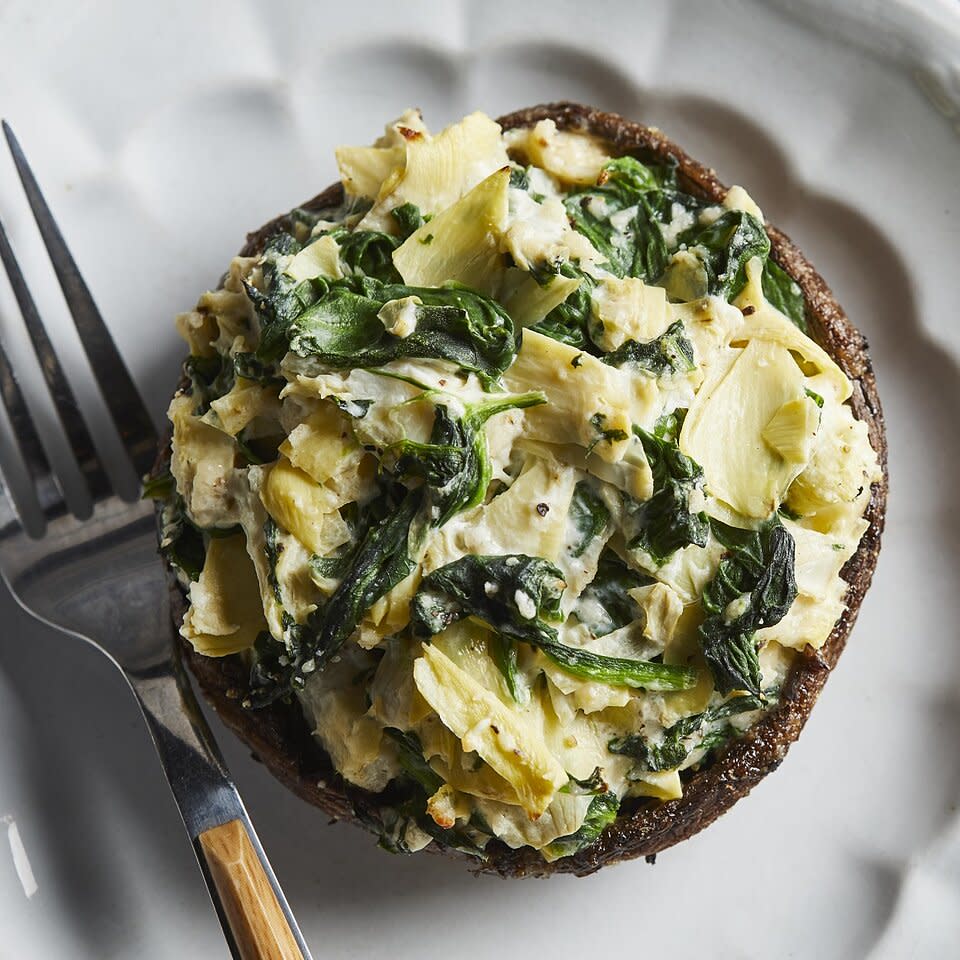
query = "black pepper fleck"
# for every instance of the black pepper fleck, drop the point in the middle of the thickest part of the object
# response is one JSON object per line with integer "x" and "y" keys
{"x": 543, "y": 509}
{"x": 577, "y": 361}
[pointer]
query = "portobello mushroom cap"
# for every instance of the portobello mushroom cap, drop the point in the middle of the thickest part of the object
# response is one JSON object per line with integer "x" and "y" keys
{"x": 279, "y": 737}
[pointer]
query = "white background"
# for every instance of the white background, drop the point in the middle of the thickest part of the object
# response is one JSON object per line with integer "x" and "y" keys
{"x": 162, "y": 132}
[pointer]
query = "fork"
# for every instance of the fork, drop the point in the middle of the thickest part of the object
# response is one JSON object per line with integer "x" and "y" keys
{"x": 99, "y": 579}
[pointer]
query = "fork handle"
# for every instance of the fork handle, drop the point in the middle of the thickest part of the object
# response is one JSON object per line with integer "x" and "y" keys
{"x": 257, "y": 921}
{"x": 260, "y": 929}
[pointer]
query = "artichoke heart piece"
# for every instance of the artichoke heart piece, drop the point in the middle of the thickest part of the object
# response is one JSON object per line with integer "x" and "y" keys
{"x": 587, "y": 401}
{"x": 571, "y": 156}
{"x": 530, "y": 516}
{"x": 462, "y": 242}
{"x": 792, "y": 429}
{"x": 842, "y": 464}
{"x": 632, "y": 474}
{"x": 762, "y": 321}
{"x": 202, "y": 464}
{"x": 323, "y": 445}
{"x": 245, "y": 401}
{"x": 528, "y": 302}
{"x": 662, "y": 784}
{"x": 364, "y": 169}
{"x": 303, "y": 507}
{"x": 225, "y": 614}
{"x": 318, "y": 259}
{"x": 533, "y": 512}
{"x": 662, "y": 608}
{"x": 724, "y": 429}
{"x": 509, "y": 744}
{"x": 628, "y": 309}
{"x": 439, "y": 171}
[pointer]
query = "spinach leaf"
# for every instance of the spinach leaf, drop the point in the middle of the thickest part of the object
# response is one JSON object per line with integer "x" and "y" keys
{"x": 519, "y": 178}
{"x": 724, "y": 247}
{"x": 210, "y": 378}
{"x": 605, "y": 604}
{"x": 493, "y": 589}
{"x": 689, "y": 733}
{"x": 569, "y": 322}
{"x": 419, "y": 782}
{"x": 409, "y": 219}
{"x": 249, "y": 367}
{"x": 669, "y": 425}
{"x": 604, "y": 434}
{"x": 412, "y": 761}
{"x": 515, "y": 595}
{"x": 758, "y": 571}
{"x": 181, "y": 540}
{"x": 632, "y": 243}
{"x": 272, "y": 547}
{"x": 645, "y": 674}
{"x": 784, "y": 293}
{"x": 455, "y": 463}
{"x": 158, "y": 487}
{"x": 379, "y": 562}
{"x": 393, "y": 821}
{"x": 665, "y": 522}
{"x": 671, "y": 352}
{"x": 337, "y": 322}
{"x": 369, "y": 253}
{"x": 588, "y": 515}
{"x": 600, "y": 814}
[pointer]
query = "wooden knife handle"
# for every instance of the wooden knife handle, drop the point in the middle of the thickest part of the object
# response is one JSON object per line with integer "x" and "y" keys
{"x": 259, "y": 927}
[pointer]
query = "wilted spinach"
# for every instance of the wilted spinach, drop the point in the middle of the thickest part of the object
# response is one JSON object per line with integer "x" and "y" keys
{"x": 378, "y": 562}
{"x": 671, "y": 352}
{"x": 622, "y": 215}
{"x": 600, "y": 814}
{"x": 337, "y": 322}
{"x": 784, "y": 293}
{"x": 700, "y": 731}
{"x": 665, "y": 523}
{"x": 724, "y": 248}
{"x": 569, "y": 322}
{"x": 605, "y": 604}
{"x": 409, "y": 219}
{"x": 455, "y": 463}
{"x": 515, "y": 595}
{"x": 369, "y": 253}
{"x": 758, "y": 568}
{"x": 588, "y": 515}
{"x": 181, "y": 540}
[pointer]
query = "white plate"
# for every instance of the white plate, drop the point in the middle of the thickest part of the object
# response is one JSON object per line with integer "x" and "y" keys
{"x": 163, "y": 132}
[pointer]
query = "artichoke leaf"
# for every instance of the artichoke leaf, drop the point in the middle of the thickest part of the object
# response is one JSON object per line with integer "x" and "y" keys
{"x": 462, "y": 242}
{"x": 502, "y": 737}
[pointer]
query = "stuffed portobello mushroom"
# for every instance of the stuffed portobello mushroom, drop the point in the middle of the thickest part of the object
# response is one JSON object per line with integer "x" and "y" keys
{"x": 521, "y": 492}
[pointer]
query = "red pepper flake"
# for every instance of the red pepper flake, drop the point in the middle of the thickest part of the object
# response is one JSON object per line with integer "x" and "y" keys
{"x": 543, "y": 509}
{"x": 442, "y": 382}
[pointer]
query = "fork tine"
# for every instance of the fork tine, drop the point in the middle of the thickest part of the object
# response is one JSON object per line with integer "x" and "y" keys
{"x": 116, "y": 385}
{"x": 66, "y": 405}
{"x": 45, "y": 484}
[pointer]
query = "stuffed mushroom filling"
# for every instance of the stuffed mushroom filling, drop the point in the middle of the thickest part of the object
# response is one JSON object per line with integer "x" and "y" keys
{"x": 517, "y": 473}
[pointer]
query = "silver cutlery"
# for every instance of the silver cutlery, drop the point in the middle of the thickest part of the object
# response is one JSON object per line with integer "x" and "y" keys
{"x": 99, "y": 578}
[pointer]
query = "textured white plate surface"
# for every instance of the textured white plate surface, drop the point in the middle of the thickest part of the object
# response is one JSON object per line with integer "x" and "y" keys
{"x": 163, "y": 132}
